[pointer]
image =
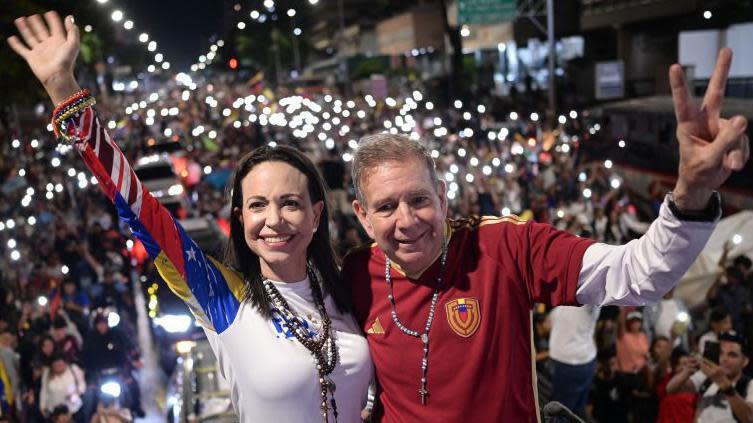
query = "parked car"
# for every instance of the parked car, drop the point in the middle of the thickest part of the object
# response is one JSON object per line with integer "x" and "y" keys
{"x": 157, "y": 173}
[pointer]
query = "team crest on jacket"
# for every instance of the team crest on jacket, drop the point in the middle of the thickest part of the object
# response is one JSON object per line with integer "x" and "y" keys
{"x": 463, "y": 315}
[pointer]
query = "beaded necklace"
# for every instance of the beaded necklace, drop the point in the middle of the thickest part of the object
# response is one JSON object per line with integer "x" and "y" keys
{"x": 323, "y": 348}
{"x": 423, "y": 391}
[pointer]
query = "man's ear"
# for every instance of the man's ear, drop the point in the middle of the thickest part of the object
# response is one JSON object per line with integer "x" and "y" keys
{"x": 442, "y": 192}
{"x": 361, "y": 213}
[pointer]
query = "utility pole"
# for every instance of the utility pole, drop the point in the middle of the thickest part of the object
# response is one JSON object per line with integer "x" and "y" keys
{"x": 533, "y": 9}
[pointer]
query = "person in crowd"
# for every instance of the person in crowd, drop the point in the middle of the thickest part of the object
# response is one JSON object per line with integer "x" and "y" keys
{"x": 75, "y": 302}
{"x": 632, "y": 342}
{"x": 10, "y": 376}
{"x": 720, "y": 322}
{"x": 279, "y": 284}
{"x": 729, "y": 293}
{"x": 65, "y": 342}
{"x": 726, "y": 393}
{"x": 63, "y": 383}
{"x": 111, "y": 291}
{"x": 111, "y": 412}
{"x": 608, "y": 403}
{"x": 669, "y": 318}
{"x": 108, "y": 348}
{"x": 61, "y": 414}
{"x": 677, "y": 407}
{"x": 542, "y": 328}
{"x": 572, "y": 350}
{"x": 660, "y": 357}
{"x": 745, "y": 265}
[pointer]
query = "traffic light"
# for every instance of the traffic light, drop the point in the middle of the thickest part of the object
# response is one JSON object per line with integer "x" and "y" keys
{"x": 233, "y": 63}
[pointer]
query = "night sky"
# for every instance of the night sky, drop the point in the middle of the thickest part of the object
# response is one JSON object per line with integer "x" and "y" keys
{"x": 181, "y": 27}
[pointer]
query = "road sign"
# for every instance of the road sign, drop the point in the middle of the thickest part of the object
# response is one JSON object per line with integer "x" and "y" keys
{"x": 486, "y": 11}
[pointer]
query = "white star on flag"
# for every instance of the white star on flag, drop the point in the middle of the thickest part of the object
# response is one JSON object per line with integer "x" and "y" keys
{"x": 191, "y": 254}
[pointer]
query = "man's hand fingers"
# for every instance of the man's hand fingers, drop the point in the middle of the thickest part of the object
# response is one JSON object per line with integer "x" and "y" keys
{"x": 53, "y": 21}
{"x": 684, "y": 108}
{"x": 39, "y": 28}
{"x": 728, "y": 139}
{"x": 26, "y": 33}
{"x": 18, "y": 46}
{"x": 712, "y": 101}
{"x": 735, "y": 159}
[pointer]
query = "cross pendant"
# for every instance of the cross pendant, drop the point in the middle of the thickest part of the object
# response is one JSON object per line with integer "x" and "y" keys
{"x": 424, "y": 393}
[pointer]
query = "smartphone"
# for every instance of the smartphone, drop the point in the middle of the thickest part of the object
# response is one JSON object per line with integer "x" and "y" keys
{"x": 711, "y": 351}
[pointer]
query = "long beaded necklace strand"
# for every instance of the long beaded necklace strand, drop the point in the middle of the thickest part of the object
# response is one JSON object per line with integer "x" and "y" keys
{"x": 323, "y": 348}
{"x": 423, "y": 336}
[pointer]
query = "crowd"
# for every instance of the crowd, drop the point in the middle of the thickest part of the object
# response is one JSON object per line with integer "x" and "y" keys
{"x": 68, "y": 269}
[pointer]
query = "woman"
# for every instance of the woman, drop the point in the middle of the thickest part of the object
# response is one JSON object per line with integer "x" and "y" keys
{"x": 275, "y": 313}
{"x": 62, "y": 384}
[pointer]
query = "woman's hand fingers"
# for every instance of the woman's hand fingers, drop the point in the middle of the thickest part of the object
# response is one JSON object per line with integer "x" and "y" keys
{"x": 39, "y": 27}
{"x": 28, "y": 35}
{"x": 55, "y": 24}
{"x": 18, "y": 46}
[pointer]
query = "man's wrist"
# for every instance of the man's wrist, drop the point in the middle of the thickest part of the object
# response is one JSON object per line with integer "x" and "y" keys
{"x": 726, "y": 388}
{"x": 709, "y": 212}
{"x": 690, "y": 200}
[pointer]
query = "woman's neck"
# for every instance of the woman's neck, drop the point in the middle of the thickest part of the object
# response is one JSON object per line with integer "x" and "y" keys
{"x": 286, "y": 272}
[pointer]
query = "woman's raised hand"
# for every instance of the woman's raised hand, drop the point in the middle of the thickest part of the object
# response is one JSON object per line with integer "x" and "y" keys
{"x": 50, "y": 48}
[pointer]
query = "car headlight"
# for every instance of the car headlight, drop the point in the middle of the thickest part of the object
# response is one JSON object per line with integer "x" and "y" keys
{"x": 184, "y": 347}
{"x": 176, "y": 189}
{"x": 174, "y": 323}
{"x": 111, "y": 388}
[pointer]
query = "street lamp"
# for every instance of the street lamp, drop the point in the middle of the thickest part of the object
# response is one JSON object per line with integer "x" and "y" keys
{"x": 117, "y": 16}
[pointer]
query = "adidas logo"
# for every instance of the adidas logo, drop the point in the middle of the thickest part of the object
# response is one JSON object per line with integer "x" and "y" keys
{"x": 376, "y": 328}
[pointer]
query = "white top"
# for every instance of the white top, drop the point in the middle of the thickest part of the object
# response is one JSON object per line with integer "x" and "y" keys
{"x": 643, "y": 270}
{"x": 668, "y": 311}
{"x": 64, "y": 389}
{"x": 273, "y": 377}
{"x": 572, "y": 338}
{"x": 714, "y": 407}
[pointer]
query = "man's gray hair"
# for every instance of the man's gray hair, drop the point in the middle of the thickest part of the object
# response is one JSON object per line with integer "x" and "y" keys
{"x": 373, "y": 150}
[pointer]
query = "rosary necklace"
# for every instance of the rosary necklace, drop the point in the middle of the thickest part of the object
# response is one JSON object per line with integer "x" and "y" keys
{"x": 423, "y": 391}
{"x": 323, "y": 348}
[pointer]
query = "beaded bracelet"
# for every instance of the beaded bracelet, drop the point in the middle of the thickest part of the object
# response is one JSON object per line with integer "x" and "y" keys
{"x": 61, "y": 110}
{"x": 68, "y": 107}
{"x": 77, "y": 95}
{"x": 60, "y": 121}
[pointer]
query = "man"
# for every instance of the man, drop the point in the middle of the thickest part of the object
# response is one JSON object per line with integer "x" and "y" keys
{"x": 65, "y": 342}
{"x": 732, "y": 295}
{"x": 573, "y": 351}
{"x": 669, "y": 318}
{"x": 726, "y": 393}
{"x": 107, "y": 348}
{"x": 446, "y": 304}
